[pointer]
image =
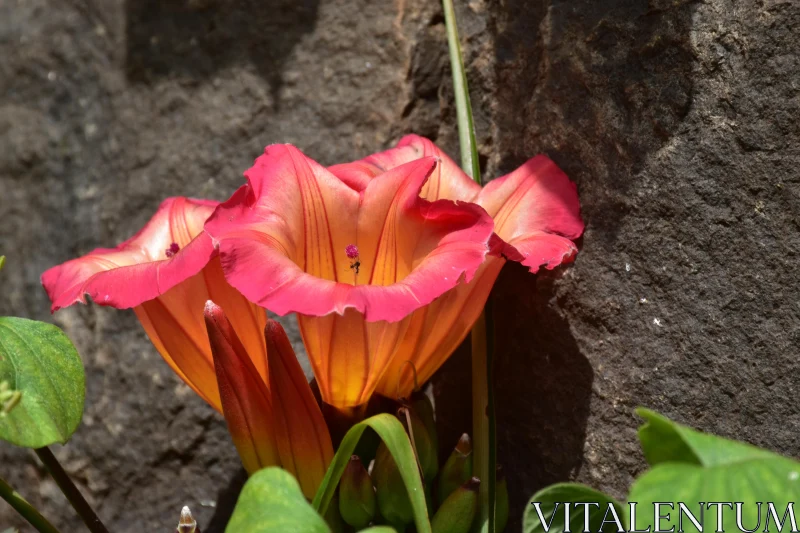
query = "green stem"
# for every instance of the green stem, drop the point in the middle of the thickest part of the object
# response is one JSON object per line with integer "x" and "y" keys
{"x": 480, "y": 421}
{"x": 69, "y": 489}
{"x": 483, "y": 422}
{"x": 466, "y": 127}
{"x": 25, "y": 509}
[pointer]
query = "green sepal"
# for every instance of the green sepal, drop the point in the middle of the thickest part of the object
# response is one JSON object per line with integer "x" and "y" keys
{"x": 393, "y": 502}
{"x": 458, "y": 511}
{"x": 456, "y": 471}
{"x": 357, "y": 503}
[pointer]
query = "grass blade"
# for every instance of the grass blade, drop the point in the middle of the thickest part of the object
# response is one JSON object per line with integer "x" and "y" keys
{"x": 391, "y": 431}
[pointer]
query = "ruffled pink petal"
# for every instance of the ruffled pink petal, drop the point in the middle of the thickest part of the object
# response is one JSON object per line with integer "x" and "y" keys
{"x": 536, "y": 214}
{"x": 283, "y": 239}
{"x": 446, "y": 182}
{"x": 141, "y": 268}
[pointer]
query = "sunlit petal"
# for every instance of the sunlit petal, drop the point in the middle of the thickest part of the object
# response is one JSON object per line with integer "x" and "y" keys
{"x": 303, "y": 440}
{"x": 245, "y": 398}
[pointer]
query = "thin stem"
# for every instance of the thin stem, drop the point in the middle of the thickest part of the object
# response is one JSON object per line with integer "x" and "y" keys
{"x": 483, "y": 421}
{"x": 25, "y": 509}
{"x": 69, "y": 489}
{"x": 466, "y": 128}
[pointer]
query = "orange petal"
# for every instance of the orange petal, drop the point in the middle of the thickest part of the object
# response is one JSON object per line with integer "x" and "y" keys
{"x": 174, "y": 323}
{"x": 245, "y": 398}
{"x": 436, "y": 331}
{"x": 348, "y": 354}
{"x": 303, "y": 440}
{"x": 247, "y": 318}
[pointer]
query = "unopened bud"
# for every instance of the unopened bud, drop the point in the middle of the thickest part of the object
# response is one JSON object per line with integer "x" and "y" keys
{"x": 2, "y": 261}
{"x": 424, "y": 445}
{"x": 458, "y": 511}
{"x": 421, "y": 404}
{"x": 187, "y": 523}
{"x": 456, "y": 470}
{"x": 357, "y": 503}
{"x": 393, "y": 502}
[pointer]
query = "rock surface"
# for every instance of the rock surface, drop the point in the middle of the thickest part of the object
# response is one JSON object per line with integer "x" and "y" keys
{"x": 677, "y": 120}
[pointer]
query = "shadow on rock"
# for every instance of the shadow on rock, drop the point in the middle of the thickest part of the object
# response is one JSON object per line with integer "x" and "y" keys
{"x": 598, "y": 86}
{"x": 543, "y": 388}
{"x": 198, "y": 38}
{"x": 226, "y": 501}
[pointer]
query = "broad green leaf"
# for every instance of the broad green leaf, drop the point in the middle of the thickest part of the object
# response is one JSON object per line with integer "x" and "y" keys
{"x": 773, "y": 479}
{"x": 552, "y": 505}
{"x": 391, "y": 431}
{"x": 666, "y": 441}
{"x": 38, "y": 360}
{"x": 272, "y": 502}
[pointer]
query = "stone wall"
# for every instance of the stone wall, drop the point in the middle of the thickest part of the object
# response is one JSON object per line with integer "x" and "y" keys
{"x": 677, "y": 119}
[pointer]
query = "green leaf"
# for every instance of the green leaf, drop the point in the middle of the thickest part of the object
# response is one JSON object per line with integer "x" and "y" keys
{"x": 391, "y": 431}
{"x": 666, "y": 441}
{"x": 774, "y": 479}
{"x": 272, "y": 502}
{"x": 39, "y": 361}
{"x": 552, "y": 502}
{"x": 692, "y": 467}
{"x": 379, "y": 529}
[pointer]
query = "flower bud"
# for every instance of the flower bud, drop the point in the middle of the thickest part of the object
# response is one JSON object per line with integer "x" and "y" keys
{"x": 458, "y": 511}
{"x": 456, "y": 470}
{"x": 421, "y": 404}
{"x": 187, "y": 523}
{"x": 393, "y": 502}
{"x": 245, "y": 398}
{"x": 303, "y": 441}
{"x": 357, "y": 503}
{"x": 424, "y": 445}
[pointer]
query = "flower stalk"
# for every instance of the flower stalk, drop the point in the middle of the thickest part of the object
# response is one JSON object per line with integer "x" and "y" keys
{"x": 482, "y": 397}
{"x": 69, "y": 489}
{"x": 25, "y": 509}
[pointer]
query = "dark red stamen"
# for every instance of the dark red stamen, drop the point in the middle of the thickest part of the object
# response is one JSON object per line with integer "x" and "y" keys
{"x": 173, "y": 249}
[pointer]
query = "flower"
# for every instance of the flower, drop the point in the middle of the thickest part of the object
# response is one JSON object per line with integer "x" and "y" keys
{"x": 536, "y": 216}
{"x": 354, "y": 259}
{"x": 166, "y": 272}
{"x": 275, "y": 422}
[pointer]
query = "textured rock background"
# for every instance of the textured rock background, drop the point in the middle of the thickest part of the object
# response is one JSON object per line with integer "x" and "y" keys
{"x": 677, "y": 119}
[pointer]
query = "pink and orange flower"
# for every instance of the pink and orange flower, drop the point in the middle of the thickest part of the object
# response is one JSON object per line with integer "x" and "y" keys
{"x": 166, "y": 273}
{"x": 387, "y": 262}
